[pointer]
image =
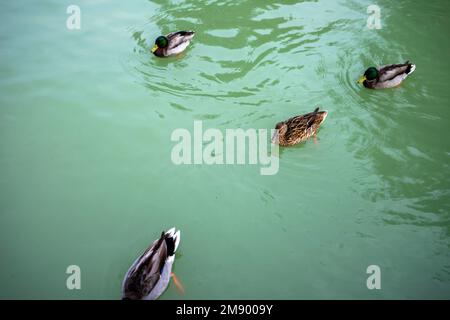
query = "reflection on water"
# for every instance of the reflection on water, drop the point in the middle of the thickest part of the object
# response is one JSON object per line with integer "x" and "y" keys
{"x": 273, "y": 53}
{"x": 234, "y": 65}
{"x": 86, "y": 170}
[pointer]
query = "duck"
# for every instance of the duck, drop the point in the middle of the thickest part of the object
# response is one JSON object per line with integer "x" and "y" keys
{"x": 388, "y": 76}
{"x": 299, "y": 128}
{"x": 172, "y": 44}
{"x": 149, "y": 276}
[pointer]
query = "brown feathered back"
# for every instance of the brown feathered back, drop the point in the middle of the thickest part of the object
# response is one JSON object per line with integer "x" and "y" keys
{"x": 300, "y": 128}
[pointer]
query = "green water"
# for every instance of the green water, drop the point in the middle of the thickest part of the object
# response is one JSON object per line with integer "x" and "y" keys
{"x": 86, "y": 176}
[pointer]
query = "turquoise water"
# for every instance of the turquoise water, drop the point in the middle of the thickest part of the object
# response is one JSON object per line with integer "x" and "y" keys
{"x": 87, "y": 178}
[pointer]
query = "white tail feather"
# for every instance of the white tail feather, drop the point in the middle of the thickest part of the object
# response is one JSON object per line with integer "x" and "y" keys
{"x": 171, "y": 232}
{"x": 177, "y": 240}
{"x": 175, "y": 236}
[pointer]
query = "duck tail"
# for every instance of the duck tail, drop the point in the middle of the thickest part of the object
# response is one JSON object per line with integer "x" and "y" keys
{"x": 172, "y": 238}
{"x": 190, "y": 34}
{"x": 411, "y": 67}
{"x": 186, "y": 33}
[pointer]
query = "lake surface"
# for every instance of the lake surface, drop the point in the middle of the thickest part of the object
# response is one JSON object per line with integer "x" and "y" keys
{"x": 86, "y": 118}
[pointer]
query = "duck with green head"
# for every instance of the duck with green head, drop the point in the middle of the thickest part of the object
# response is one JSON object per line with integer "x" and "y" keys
{"x": 388, "y": 76}
{"x": 172, "y": 44}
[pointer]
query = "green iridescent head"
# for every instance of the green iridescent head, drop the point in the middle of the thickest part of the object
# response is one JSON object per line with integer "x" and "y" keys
{"x": 371, "y": 73}
{"x": 162, "y": 42}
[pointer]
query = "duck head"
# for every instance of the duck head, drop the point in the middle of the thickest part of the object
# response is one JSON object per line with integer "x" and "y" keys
{"x": 160, "y": 43}
{"x": 371, "y": 74}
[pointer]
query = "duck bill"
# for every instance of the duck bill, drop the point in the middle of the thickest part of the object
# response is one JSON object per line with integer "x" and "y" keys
{"x": 155, "y": 47}
{"x": 362, "y": 79}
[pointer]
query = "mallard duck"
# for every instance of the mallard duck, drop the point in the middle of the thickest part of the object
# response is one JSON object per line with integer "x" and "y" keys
{"x": 387, "y": 76}
{"x": 298, "y": 128}
{"x": 173, "y": 43}
{"x": 149, "y": 275}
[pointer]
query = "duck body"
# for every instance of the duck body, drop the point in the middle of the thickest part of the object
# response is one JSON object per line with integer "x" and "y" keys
{"x": 149, "y": 276}
{"x": 172, "y": 44}
{"x": 388, "y": 76}
{"x": 299, "y": 128}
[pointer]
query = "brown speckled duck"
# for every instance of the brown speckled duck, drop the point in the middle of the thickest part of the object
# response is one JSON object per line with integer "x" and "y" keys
{"x": 298, "y": 128}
